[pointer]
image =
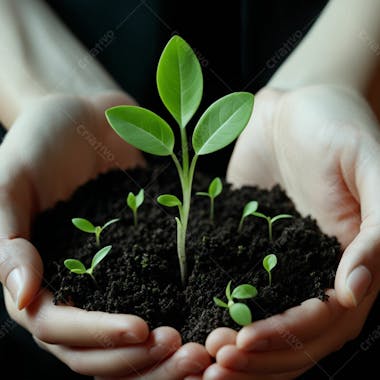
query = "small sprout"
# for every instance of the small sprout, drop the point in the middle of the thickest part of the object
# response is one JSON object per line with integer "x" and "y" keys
{"x": 269, "y": 262}
{"x": 86, "y": 226}
{"x": 77, "y": 267}
{"x": 239, "y": 312}
{"x": 249, "y": 209}
{"x": 215, "y": 189}
{"x": 134, "y": 202}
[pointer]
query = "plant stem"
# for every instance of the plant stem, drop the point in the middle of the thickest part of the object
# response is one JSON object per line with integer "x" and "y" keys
{"x": 241, "y": 224}
{"x": 185, "y": 151}
{"x": 97, "y": 236}
{"x": 186, "y": 178}
{"x": 212, "y": 209}
{"x": 134, "y": 217}
{"x": 269, "y": 220}
{"x": 270, "y": 278}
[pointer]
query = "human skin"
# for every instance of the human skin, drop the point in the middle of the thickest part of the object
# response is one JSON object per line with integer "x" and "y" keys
{"x": 52, "y": 116}
{"x": 314, "y": 132}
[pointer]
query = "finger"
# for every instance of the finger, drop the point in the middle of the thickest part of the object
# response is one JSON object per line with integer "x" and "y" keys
{"x": 70, "y": 326}
{"x": 117, "y": 362}
{"x": 190, "y": 359}
{"x": 290, "y": 329}
{"x": 219, "y": 338}
{"x": 20, "y": 270}
{"x": 218, "y": 372}
{"x": 359, "y": 269}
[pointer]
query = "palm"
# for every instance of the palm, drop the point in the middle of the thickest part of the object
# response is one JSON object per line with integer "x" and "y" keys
{"x": 62, "y": 141}
{"x": 296, "y": 139}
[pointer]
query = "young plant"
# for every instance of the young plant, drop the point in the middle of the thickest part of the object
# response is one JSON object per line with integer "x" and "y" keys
{"x": 249, "y": 209}
{"x": 77, "y": 267}
{"x": 215, "y": 189}
{"x": 239, "y": 312}
{"x": 180, "y": 86}
{"x": 134, "y": 202}
{"x": 269, "y": 262}
{"x": 86, "y": 226}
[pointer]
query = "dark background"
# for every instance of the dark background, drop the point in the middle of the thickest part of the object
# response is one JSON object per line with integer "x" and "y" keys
{"x": 240, "y": 44}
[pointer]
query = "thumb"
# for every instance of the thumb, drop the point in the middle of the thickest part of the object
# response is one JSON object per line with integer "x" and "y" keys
{"x": 359, "y": 269}
{"x": 20, "y": 264}
{"x": 20, "y": 270}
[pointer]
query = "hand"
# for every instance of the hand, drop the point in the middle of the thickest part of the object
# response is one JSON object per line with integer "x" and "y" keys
{"x": 56, "y": 144}
{"x": 321, "y": 144}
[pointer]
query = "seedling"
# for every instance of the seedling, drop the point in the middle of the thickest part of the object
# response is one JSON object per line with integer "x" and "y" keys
{"x": 86, "y": 226}
{"x": 249, "y": 209}
{"x": 77, "y": 267}
{"x": 239, "y": 312}
{"x": 134, "y": 202}
{"x": 180, "y": 86}
{"x": 215, "y": 189}
{"x": 269, "y": 262}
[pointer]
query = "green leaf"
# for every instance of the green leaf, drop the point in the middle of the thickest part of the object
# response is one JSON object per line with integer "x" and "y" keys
{"x": 179, "y": 80}
{"x": 222, "y": 122}
{"x": 269, "y": 262}
{"x": 282, "y": 216}
{"x": 244, "y": 291}
{"x": 250, "y": 208}
{"x": 100, "y": 255}
{"x": 260, "y": 215}
{"x": 140, "y": 198}
{"x": 241, "y": 314}
{"x": 215, "y": 187}
{"x": 220, "y": 303}
{"x": 228, "y": 291}
{"x": 142, "y": 128}
{"x": 202, "y": 193}
{"x": 112, "y": 221}
{"x": 83, "y": 225}
{"x": 131, "y": 201}
{"x": 169, "y": 200}
{"x": 75, "y": 266}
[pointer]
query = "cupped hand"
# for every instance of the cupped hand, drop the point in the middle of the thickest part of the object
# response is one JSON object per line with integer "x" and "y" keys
{"x": 322, "y": 145}
{"x": 56, "y": 144}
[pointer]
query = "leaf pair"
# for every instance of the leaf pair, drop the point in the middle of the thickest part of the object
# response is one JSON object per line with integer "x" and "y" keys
{"x": 180, "y": 86}
{"x": 77, "y": 267}
{"x": 134, "y": 202}
{"x": 239, "y": 312}
{"x": 214, "y": 190}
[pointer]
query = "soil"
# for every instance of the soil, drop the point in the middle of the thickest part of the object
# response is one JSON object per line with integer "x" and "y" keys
{"x": 141, "y": 274}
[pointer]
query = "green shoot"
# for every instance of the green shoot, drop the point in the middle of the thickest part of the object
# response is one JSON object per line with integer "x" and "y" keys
{"x": 239, "y": 312}
{"x": 269, "y": 262}
{"x": 86, "y": 226}
{"x": 215, "y": 189}
{"x": 180, "y": 86}
{"x": 249, "y": 209}
{"x": 77, "y": 267}
{"x": 134, "y": 202}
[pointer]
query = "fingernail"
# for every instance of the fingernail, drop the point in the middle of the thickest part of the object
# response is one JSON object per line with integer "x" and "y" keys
{"x": 15, "y": 284}
{"x": 259, "y": 345}
{"x": 358, "y": 283}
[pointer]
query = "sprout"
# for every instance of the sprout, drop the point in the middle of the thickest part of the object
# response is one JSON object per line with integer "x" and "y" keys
{"x": 77, "y": 267}
{"x": 180, "y": 86}
{"x": 269, "y": 262}
{"x": 134, "y": 202}
{"x": 239, "y": 312}
{"x": 215, "y": 189}
{"x": 249, "y": 209}
{"x": 86, "y": 226}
